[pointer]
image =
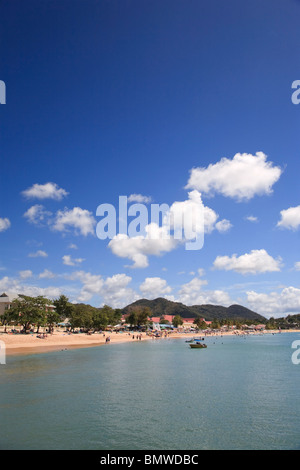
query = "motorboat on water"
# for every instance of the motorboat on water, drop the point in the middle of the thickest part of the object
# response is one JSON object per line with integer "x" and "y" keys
{"x": 192, "y": 340}
{"x": 197, "y": 344}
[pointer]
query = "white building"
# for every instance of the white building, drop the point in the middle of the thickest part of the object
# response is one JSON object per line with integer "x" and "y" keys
{"x": 6, "y": 301}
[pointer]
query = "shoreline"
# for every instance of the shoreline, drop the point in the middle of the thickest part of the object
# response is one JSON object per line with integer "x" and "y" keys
{"x": 16, "y": 344}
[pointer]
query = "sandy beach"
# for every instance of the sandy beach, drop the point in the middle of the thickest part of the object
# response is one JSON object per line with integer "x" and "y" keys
{"x": 31, "y": 343}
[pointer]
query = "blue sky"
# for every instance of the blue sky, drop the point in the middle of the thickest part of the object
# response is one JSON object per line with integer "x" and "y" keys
{"x": 154, "y": 98}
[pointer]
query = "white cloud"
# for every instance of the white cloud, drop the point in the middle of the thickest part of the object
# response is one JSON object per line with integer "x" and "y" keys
{"x": 223, "y": 225}
{"x": 46, "y": 274}
{"x": 191, "y": 293}
{"x": 67, "y": 260}
{"x": 114, "y": 290}
{"x": 290, "y": 218}
{"x": 139, "y": 248}
{"x": 92, "y": 284}
{"x": 241, "y": 178}
{"x": 275, "y": 304}
{"x": 45, "y": 191}
{"x": 9, "y": 284}
{"x": 191, "y": 211}
{"x": 72, "y": 246}
{"x": 81, "y": 220}
{"x": 154, "y": 287}
{"x": 37, "y": 214}
{"x": 139, "y": 198}
{"x": 257, "y": 261}
{"x": 297, "y": 266}
{"x": 160, "y": 239}
{"x": 4, "y": 224}
{"x": 38, "y": 254}
{"x": 210, "y": 219}
{"x": 251, "y": 218}
{"x": 201, "y": 272}
{"x": 212, "y": 223}
{"x": 26, "y": 274}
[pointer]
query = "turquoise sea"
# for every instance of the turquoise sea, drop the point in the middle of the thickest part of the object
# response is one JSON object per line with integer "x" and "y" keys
{"x": 155, "y": 395}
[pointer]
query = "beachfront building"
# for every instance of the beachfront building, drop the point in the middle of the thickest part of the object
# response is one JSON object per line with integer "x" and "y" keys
{"x": 160, "y": 321}
{"x": 6, "y": 301}
{"x": 260, "y": 327}
{"x": 188, "y": 322}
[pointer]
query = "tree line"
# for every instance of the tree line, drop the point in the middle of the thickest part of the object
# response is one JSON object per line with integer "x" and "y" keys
{"x": 37, "y": 312}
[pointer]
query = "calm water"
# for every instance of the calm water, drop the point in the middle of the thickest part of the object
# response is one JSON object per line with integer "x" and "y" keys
{"x": 236, "y": 394}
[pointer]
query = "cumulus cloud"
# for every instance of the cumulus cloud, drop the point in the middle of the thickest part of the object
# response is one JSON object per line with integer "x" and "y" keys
{"x": 139, "y": 248}
{"x": 139, "y": 198}
{"x": 38, "y": 254}
{"x": 26, "y": 274}
{"x": 290, "y": 218}
{"x": 223, "y": 225}
{"x": 241, "y": 178}
{"x": 79, "y": 219}
{"x": 181, "y": 222}
{"x": 192, "y": 293}
{"x": 45, "y": 191}
{"x": 251, "y": 218}
{"x": 276, "y": 303}
{"x": 46, "y": 274}
{"x": 154, "y": 287}
{"x": 37, "y": 215}
{"x": 114, "y": 290}
{"x": 68, "y": 261}
{"x": 4, "y": 224}
{"x": 210, "y": 220}
{"x": 257, "y": 261}
{"x": 9, "y": 284}
{"x": 92, "y": 284}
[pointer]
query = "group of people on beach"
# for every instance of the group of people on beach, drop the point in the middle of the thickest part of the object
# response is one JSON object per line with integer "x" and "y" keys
{"x": 138, "y": 337}
{"x": 42, "y": 335}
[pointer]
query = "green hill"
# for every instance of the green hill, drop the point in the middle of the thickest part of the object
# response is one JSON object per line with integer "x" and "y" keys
{"x": 162, "y": 306}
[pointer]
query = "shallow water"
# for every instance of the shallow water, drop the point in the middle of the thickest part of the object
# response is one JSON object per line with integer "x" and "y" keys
{"x": 158, "y": 394}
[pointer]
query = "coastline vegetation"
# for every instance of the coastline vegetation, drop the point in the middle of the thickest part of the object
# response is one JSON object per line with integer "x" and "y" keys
{"x": 37, "y": 312}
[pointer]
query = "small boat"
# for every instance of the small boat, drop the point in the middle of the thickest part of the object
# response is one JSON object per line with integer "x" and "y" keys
{"x": 197, "y": 345}
{"x": 192, "y": 340}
